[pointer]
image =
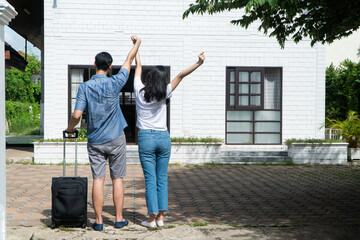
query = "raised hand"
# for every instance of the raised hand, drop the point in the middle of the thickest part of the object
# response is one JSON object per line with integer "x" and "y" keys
{"x": 134, "y": 39}
{"x": 201, "y": 57}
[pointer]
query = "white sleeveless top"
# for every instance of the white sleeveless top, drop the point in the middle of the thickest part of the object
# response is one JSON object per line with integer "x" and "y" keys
{"x": 150, "y": 115}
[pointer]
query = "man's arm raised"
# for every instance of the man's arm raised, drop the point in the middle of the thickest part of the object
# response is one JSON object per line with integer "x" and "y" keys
{"x": 130, "y": 57}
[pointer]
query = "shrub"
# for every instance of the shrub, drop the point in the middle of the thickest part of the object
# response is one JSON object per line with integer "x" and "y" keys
{"x": 19, "y": 86}
{"x": 342, "y": 89}
{"x": 350, "y": 128}
{"x": 23, "y": 118}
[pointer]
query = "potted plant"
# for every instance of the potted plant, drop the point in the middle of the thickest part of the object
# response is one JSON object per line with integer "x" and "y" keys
{"x": 350, "y": 132}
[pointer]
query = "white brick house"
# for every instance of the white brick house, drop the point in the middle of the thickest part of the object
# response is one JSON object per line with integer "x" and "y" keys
{"x": 249, "y": 90}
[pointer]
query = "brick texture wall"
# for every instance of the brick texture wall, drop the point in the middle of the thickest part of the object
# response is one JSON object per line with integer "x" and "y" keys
{"x": 75, "y": 31}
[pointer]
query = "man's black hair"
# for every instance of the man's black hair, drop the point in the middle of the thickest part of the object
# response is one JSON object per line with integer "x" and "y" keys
{"x": 103, "y": 61}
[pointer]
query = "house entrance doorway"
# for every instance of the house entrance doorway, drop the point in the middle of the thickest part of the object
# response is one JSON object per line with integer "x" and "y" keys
{"x": 81, "y": 74}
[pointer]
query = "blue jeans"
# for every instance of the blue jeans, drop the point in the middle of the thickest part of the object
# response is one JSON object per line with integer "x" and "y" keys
{"x": 154, "y": 152}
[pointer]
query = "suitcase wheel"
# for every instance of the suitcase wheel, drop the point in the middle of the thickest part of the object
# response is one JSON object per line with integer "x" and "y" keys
{"x": 83, "y": 226}
{"x": 53, "y": 226}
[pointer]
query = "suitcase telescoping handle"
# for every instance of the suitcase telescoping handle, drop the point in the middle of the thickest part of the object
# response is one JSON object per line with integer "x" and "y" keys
{"x": 65, "y": 136}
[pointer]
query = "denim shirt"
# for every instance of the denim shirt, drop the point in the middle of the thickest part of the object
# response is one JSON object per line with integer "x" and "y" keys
{"x": 100, "y": 97}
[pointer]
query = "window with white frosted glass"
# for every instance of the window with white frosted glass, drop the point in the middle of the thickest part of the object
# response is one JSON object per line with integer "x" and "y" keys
{"x": 243, "y": 76}
{"x": 255, "y": 100}
{"x": 240, "y": 127}
{"x": 255, "y": 76}
{"x": 255, "y": 88}
{"x": 244, "y": 88}
{"x": 253, "y": 113}
{"x": 232, "y": 88}
{"x": 240, "y": 115}
{"x": 240, "y": 138}
{"x": 267, "y": 138}
{"x": 267, "y": 127}
{"x": 232, "y": 100}
{"x": 243, "y": 100}
{"x": 267, "y": 115}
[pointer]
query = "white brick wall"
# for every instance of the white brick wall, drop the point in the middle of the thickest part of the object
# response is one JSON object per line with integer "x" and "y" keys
{"x": 76, "y": 32}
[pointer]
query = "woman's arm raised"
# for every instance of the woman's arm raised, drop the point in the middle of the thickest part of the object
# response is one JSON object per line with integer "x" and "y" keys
{"x": 175, "y": 82}
{"x": 138, "y": 68}
{"x": 130, "y": 57}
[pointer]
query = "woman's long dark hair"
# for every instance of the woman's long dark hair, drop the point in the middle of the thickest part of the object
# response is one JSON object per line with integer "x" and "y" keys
{"x": 155, "y": 84}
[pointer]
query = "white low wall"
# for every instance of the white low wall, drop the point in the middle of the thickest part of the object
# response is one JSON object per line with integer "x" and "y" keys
{"x": 354, "y": 153}
{"x": 318, "y": 153}
{"x": 184, "y": 153}
{"x": 52, "y": 152}
{"x": 195, "y": 153}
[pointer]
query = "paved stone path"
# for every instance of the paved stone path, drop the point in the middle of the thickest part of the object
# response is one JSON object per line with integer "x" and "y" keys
{"x": 250, "y": 195}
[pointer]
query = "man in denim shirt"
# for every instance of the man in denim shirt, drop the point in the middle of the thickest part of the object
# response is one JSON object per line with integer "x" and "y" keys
{"x": 105, "y": 124}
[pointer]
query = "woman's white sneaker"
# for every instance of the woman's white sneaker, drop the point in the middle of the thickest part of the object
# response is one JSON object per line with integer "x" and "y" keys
{"x": 160, "y": 223}
{"x": 148, "y": 224}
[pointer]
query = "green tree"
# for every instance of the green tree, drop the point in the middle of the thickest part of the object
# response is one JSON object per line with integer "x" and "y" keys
{"x": 321, "y": 20}
{"x": 342, "y": 89}
{"x": 19, "y": 86}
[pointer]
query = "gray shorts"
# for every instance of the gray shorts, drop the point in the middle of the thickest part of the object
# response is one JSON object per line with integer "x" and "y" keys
{"x": 114, "y": 151}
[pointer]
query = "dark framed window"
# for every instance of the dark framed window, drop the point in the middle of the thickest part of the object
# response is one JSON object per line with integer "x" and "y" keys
{"x": 245, "y": 87}
{"x": 253, "y": 105}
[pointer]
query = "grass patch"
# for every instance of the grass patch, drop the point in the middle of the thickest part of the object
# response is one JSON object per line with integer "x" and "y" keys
{"x": 213, "y": 164}
{"x": 171, "y": 226}
{"x": 153, "y": 229}
{"x": 67, "y": 164}
{"x": 83, "y": 138}
{"x": 66, "y": 229}
{"x": 289, "y": 162}
{"x": 198, "y": 224}
{"x": 310, "y": 140}
{"x": 262, "y": 164}
{"x": 174, "y": 165}
{"x": 196, "y": 140}
{"x": 236, "y": 225}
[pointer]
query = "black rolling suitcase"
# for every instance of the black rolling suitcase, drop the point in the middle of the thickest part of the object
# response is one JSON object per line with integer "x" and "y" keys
{"x": 69, "y": 196}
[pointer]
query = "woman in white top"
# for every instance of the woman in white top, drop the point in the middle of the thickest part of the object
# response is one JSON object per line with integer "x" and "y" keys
{"x": 153, "y": 137}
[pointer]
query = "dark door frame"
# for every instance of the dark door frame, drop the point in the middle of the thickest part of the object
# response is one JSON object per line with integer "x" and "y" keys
{"x": 131, "y": 75}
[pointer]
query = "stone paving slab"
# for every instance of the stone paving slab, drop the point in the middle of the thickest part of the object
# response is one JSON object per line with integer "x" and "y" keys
{"x": 251, "y": 196}
{"x": 186, "y": 232}
{"x": 137, "y": 232}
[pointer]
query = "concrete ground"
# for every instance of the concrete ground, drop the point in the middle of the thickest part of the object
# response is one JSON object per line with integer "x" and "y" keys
{"x": 19, "y": 154}
{"x": 205, "y": 202}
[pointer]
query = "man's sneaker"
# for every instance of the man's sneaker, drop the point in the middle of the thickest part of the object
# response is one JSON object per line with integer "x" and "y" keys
{"x": 121, "y": 224}
{"x": 148, "y": 224}
{"x": 160, "y": 223}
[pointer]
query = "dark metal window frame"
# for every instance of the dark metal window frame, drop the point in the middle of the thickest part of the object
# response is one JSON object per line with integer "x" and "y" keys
{"x": 253, "y": 109}
{"x": 237, "y": 83}
{"x": 70, "y": 67}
